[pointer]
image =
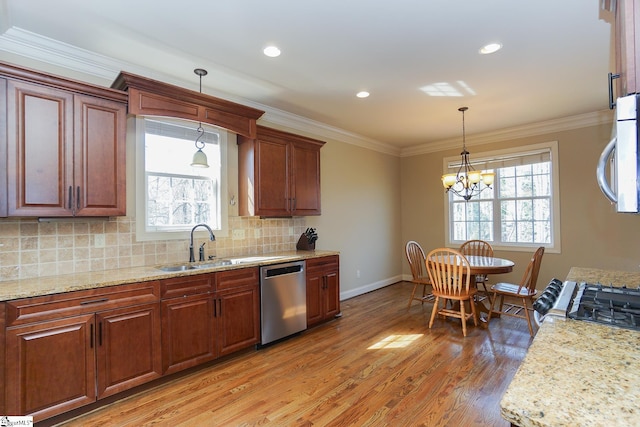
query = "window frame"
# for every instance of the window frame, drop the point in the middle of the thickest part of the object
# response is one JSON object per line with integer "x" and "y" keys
{"x": 142, "y": 234}
{"x": 523, "y": 150}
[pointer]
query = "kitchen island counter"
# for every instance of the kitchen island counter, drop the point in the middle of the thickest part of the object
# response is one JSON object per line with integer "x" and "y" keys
{"x": 578, "y": 373}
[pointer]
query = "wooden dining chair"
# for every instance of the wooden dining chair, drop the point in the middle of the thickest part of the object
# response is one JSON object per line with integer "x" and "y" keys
{"x": 478, "y": 248}
{"x": 450, "y": 276}
{"x": 525, "y": 291}
{"x": 416, "y": 258}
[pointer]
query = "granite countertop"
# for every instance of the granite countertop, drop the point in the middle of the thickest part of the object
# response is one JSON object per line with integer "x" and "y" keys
{"x": 23, "y": 288}
{"x": 578, "y": 373}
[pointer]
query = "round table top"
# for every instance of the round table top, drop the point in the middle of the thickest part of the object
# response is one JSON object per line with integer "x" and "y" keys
{"x": 489, "y": 265}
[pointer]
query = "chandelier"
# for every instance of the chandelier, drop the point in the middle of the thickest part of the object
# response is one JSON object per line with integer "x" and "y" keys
{"x": 466, "y": 183}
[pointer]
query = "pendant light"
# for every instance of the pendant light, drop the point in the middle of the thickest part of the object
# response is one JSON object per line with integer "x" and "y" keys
{"x": 200, "y": 158}
{"x": 466, "y": 182}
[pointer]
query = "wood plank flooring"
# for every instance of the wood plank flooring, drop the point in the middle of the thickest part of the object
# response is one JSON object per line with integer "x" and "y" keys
{"x": 332, "y": 376}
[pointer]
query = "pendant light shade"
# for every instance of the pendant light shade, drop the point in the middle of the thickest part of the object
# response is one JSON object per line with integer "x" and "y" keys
{"x": 199, "y": 157}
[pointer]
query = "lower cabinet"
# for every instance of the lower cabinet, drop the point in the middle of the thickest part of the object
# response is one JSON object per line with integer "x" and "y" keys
{"x": 323, "y": 289}
{"x": 218, "y": 314}
{"x": 58, "y": 365}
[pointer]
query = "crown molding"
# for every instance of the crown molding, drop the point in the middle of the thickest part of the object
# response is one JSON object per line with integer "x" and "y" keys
{"x": 49, "y": 51}
{"x": 508, "y": 134}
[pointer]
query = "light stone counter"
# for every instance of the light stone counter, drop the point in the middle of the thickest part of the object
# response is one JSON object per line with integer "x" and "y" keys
{"x": 23, "y": 288}
{"x": 578, "y": 373}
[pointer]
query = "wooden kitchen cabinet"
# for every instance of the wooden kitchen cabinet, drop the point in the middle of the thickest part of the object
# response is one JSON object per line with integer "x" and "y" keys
{"x": 217, "y": 314}
{"x": 323, "y": 289}
{"x": 67, "y": 350}
{"x": 627, "y": 46}
{"x": 188, "y": 334}
{"x": 65, "y": 147}
{"x": 238, "y": 309}
{"x": 279, "y": 174}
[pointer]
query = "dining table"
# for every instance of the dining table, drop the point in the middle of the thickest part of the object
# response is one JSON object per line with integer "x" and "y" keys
{"x": 483, "y": 265}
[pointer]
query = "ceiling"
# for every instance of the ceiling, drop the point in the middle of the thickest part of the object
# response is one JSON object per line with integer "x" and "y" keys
{"x": 553, "y": 64}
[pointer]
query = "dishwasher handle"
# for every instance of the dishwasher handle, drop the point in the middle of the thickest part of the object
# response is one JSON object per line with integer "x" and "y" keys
{"x": 282, "y": 270}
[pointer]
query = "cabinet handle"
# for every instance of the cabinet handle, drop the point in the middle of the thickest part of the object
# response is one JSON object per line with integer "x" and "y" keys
{"x": 612, "y": 77}
{"x": 95, "y": 301}
{"x": 78, "y": 198}
{"x": 100, "y": 334}
{"x": 70, "y": 197}
{"x": 295, "y": 203}
{"x": 215, "y": 307}
{"x": 91, "y": 337}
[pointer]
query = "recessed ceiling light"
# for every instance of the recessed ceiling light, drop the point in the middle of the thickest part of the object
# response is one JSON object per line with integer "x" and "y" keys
{"x": 271, "y": 51}
{"x": 362, "y": 94}
{"x": 490, "y": 48}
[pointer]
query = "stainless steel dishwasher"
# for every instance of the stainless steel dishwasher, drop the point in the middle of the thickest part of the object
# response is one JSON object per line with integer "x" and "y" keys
{"x": 283, "y": 300}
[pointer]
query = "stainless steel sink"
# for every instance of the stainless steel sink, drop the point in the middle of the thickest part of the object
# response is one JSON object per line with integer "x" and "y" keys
{"x": 183, "y": 267}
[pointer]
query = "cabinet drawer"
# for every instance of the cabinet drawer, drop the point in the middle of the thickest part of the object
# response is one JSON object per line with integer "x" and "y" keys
{"x": 189, "y": 285}
{"x": 231, "y": 279}
{"x": 36, "y": 309}
{"x": 323, "y": 263}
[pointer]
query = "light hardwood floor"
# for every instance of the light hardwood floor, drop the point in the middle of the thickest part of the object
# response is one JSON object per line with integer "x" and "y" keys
{"x": 333, "y": 376}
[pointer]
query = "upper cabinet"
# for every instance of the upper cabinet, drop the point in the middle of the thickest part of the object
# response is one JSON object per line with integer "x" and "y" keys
{"x": 628, "y": 46}
{"x": 279, "y": 174}
{"x": 65, "y": 146}
{"x": 149, "y": 97}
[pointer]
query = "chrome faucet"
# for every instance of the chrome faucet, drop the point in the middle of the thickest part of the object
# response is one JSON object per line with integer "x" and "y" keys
{"x": 192, "y": 257}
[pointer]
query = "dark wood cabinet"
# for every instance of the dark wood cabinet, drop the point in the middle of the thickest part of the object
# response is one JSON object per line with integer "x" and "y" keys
{"x": 323, "y": 289}
{"x": 216, "y": 315}
{"x": 627, "y": 46}
{"x": 51, "y": 366}
{"x": 128, "y": 351}
{"x": 189, "y": 335}
{"x": 65, "y": 351}
{"x": 238, "y": 310}
{"x": 279, "y": 174}
{"x": 65, "y": 148}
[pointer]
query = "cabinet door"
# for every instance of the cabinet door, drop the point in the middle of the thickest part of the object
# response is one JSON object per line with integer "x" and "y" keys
{"x": 3, "y": 160}
{"x": 272, "y": 179}
{"x": 188, "y": 334}
{"x": 331, "y": 295}
{"x": 39, "y": 150}
{"x": 238, "y": 319}
{"x": 314, "y": 298}
{"x": 99, "y": 158}
{"x": 50, "y": 367}
{"x": 305, "y": 177}
{"x": 628, "y": 46}
{"x": 128, "y": 351}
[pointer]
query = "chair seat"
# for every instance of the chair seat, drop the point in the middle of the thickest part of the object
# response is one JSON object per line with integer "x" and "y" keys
{"x": 462, "y": 296}
{"x": 510, "y": 288}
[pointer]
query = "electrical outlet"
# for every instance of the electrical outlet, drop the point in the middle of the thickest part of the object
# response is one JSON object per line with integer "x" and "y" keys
{"x": 357, "y": 274}
{"x": 99, "y": 240}
{"x": 237, "y": 234}
{"x": 290, "y": 231}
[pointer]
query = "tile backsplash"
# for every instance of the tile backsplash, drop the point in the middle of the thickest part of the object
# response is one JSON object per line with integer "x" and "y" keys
{"x": 29, "y": 248}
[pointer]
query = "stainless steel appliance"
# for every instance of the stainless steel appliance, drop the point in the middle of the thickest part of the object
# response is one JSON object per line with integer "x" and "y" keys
{"x": 624, "y": 152}
{"x": 598, "y": 303}
{"x": 283, "y": 300}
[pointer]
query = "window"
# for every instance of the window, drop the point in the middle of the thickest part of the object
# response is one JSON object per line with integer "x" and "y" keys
{"x": 173, "y": 196}
{"x": 521, "y": 211}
